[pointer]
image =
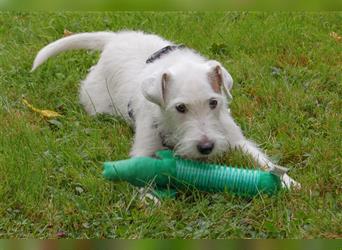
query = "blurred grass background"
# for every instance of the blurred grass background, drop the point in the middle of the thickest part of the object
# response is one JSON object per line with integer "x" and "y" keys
{"x": 287, "y": 97}
{"x": 217, "y": 5}
{"x": 170, "y": 244}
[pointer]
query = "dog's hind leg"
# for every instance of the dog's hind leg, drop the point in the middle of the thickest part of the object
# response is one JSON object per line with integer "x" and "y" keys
{"x": 96, "y": 95}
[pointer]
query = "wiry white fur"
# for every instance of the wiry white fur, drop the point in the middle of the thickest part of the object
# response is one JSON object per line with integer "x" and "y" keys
{"x": 96, "y": 41}
{"x": 121, "y": 78}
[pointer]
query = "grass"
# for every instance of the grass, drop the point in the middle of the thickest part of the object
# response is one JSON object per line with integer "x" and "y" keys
{"x": 287, "y": 96}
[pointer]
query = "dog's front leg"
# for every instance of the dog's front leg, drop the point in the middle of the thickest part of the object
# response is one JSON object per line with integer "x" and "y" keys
{"x": 146, "y": 139}
{"x": 146, "y": 142}
{"x": 237, "y": 141}
{"x": 248, "y": 147}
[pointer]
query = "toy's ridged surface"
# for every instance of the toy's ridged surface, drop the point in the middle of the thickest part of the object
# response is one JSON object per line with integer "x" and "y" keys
{"x": 169, "y": 171}
{"x": 213, "y": 178}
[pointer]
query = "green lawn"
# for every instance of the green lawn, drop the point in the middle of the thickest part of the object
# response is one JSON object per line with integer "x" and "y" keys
{"x": 287, "y": 97}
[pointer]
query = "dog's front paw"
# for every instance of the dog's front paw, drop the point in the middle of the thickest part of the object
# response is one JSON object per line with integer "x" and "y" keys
{"x": 289, "y": 183}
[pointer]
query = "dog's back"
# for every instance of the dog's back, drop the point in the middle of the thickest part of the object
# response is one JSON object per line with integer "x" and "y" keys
{"x": 131, "y": 44}
{"x": 123, "y": 58}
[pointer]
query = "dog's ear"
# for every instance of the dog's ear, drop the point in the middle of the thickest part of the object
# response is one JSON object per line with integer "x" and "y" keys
{"x": 219, "y": 78}
{"x": 154, "y": 88}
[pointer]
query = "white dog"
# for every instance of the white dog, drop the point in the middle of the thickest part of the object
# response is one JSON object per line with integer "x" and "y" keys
{"x": 171, "y": 95}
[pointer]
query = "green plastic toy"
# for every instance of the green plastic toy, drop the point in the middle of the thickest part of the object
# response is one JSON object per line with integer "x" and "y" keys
{"x": 169, "y": 173}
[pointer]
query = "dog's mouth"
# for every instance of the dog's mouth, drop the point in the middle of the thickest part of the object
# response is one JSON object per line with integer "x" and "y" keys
{"x": 199, "y": 150}
{"x": 195, "y": 156}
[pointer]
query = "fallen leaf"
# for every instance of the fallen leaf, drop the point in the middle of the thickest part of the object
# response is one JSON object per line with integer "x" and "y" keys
{"x": 335, "y": 36}
{"x": 275, "y": 71}
{"x": 47, "y": 114}
{"x": 61, "y": 234}
{"x": 79, "y": 190}
{"x": 67, "y": 33}
{"x": 86, "y": 225}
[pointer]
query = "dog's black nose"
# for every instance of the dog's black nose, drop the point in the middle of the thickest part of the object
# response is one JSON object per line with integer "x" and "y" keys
{"x": 205, "y": 148}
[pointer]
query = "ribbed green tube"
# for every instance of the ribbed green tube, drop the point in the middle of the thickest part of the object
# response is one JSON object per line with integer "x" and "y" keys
{"x": 169, "y": 171}
{"x": 215, "y": 178}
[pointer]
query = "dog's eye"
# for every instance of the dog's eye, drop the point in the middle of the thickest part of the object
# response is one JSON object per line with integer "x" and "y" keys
{"x": 212, "y": 103}
{"x": 181, "y": 108}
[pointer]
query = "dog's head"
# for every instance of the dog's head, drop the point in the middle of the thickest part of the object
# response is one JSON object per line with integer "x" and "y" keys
{"x": 193, "y": 100}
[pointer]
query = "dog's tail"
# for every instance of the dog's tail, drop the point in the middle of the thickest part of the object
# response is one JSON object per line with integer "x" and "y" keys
{"x": 94, "y": 41}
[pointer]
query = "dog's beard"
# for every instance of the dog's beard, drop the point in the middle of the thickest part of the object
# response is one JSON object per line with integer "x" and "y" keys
{"x": 186, "y": 138}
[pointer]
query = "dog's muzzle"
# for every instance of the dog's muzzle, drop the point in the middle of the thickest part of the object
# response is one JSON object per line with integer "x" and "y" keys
{"x": 205, "y": 148}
